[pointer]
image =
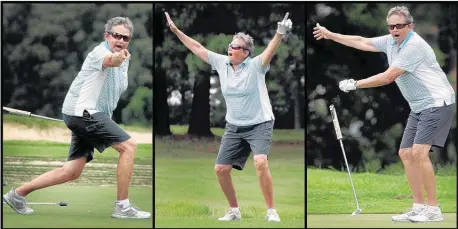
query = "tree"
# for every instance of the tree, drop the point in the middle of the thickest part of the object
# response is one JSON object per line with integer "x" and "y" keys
{"x": 45, "y": 46}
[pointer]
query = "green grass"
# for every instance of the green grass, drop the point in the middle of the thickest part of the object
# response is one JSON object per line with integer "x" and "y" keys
{"x": 330, "y": 192}
{"x": 373, "y": 221}
{"x": 88, "y": 207}
{"x": 90, "y": 198}
{"x": 58, "y": 151}
{"x": 278, "y": 134}
{"x": 188, "y": 194}
{"x": 46, "y": 124}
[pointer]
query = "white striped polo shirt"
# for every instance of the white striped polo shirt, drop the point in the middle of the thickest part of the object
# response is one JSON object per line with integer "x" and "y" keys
{"x": 96, "y": 88}
{"x": 424, "y": 84}
{"x": 245, "y": 91}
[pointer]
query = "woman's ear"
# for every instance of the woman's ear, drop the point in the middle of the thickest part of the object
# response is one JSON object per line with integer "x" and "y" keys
{"x": 247, "y": 53}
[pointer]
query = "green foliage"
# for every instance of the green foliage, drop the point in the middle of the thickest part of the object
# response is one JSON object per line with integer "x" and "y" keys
{"x": 140, "y": 108}
{"x": 440, "y": 56}
{"x": 46, "y": 45}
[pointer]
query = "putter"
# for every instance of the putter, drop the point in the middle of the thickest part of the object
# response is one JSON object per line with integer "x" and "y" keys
{"x": 28, "y": 114}
{"x": 335, "y": 121}
{"x": 62, "y": 204}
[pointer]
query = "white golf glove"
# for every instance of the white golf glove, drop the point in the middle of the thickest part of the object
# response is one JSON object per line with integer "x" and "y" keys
{"x": 285, "y": 25}
{"x": 347, "y": 85}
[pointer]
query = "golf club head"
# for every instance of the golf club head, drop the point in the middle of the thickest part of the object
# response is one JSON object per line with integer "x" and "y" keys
{"x": 357, "y": 212}
{"x": 63, "y": 204}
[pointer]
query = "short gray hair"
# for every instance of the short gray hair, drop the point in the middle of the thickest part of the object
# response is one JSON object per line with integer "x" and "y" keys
{"x": 247, "y": 41}
{"x": 400, "y": 10}
{"x": 119, "y": 21}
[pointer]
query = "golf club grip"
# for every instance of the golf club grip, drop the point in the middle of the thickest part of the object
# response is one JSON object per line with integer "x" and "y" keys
{"x": 16, "y": 111}
{"x": 335, "y": 121}
{"x": 28, "y": 114}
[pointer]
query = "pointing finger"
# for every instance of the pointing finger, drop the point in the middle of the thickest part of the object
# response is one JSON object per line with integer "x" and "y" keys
{"x": 286, "y": 16}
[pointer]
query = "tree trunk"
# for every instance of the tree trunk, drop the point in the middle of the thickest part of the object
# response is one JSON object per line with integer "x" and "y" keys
{"x": 161, "y": 124}
{"x": 199, "y": 123}
{"x": 297, "y": 108}
{"x": 298, "y": 102}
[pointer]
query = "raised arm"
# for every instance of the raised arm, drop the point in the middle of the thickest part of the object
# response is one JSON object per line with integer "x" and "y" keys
{"x": 269, "y": 52}
{"x": 190, "y": 43}
{"x": 356, "y": 42}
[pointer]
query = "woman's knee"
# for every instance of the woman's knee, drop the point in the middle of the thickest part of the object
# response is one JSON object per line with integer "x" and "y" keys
{"x": 260, "y": 162}
{"x": 72, "y": 169}
{"x": 405, "y": 154}
{"x": 128, "y": 147}
{"x": 222, "y": 169}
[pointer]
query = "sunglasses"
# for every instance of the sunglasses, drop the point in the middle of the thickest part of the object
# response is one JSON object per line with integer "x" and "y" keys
{"x": 118, "y": 36}
{"x": 236, "y": 47}
{"x": 398, "y": 26}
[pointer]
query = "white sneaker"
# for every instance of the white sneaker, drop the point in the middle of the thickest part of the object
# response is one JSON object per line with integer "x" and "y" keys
{"x": 130, "y": 212}
{"x": 404, "y": 217}
{"x": 272, "y": 216}
{"x": 427, "y": 215}
{"x": 17, "y": 203}
{"x": 231, "y": 215}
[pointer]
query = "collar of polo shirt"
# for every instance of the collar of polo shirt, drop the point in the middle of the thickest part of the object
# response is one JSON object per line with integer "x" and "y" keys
{"x": 405, "y": 40}
{"x": 108, "y": 46}
{"x": 228, "y": 62}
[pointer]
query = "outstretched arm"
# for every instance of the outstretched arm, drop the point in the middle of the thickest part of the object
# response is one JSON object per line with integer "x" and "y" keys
{"x": 378, "y": 80}
{"x": 116, "y": 59}
{"x": 190, "y": 43}
{"x": 356, "y": 42}
{"x": 269, "y": 52}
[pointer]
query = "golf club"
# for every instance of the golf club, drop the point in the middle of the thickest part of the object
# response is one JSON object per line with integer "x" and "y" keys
{"x": 26, "y": 113}
{"x": 62, "y": 204}
{"x": 335, "y": 121}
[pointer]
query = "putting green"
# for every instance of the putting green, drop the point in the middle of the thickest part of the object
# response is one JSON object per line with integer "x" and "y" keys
{"x": 90, "y": 198}
{"x": 372, "y": 221}
{"x": 88, "y": 206}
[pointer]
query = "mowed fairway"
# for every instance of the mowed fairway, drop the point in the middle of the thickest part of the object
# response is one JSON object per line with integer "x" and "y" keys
{"x": 90, "y": 198}
{"x": 188, "y": 193}
{"x": 330, "y": 200}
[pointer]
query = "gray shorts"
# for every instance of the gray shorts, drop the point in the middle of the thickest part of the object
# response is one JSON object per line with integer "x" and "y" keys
{"x": 238, "y": 141}
{"x": 429, "y": 126}
{"x": 92, "y": 131}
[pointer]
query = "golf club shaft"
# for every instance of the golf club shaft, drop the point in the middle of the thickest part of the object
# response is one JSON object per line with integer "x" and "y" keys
{"x": 34, "y": 203}
{"x": 335, "y": 122}
{"x": 349, "y": 174}
{"x": 44, "y": 117}
{"x": 29, "y": 114}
